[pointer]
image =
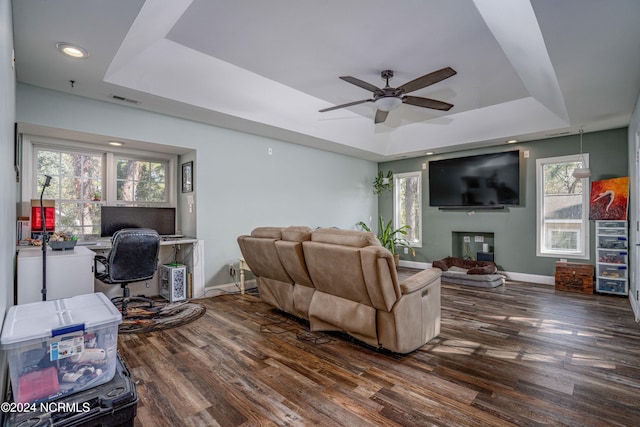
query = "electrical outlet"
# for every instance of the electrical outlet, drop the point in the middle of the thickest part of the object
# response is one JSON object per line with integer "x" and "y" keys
{"x": 406, "y": 251}
{"x": 232, "y": 270}
{"x": 467, "y": 239}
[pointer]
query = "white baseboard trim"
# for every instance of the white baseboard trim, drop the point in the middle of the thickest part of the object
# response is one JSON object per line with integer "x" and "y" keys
{"x": 415, "y": 264}
{"x": 635, "y": 306}
{"x": 520, "y": 277}
{"x": 531, "y": 278}
{"x": 227, "y": 288}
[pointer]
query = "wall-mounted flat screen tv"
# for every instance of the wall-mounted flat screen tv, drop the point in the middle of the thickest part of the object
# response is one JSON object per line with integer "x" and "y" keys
{"x": 485, "y": 180}
{"x": 114, "y": 218}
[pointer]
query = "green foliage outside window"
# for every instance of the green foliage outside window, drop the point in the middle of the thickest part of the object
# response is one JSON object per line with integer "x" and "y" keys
{"x": 77, "y": 185}
{"x": 141, "y": 181}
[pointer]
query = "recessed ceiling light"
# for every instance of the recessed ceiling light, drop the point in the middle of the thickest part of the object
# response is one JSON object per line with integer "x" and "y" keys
{"x": 512, "y": 141}
{"x": 115, "y": 143}
{"x": 429, "y": 153}
{"x": 71, "y": 50}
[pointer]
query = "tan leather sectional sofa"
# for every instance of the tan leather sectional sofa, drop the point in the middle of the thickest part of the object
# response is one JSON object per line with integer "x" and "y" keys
{"x": 344, "y": 280}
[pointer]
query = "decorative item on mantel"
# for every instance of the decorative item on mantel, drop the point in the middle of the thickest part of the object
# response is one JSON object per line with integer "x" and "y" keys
{"x": 382, "y": 182}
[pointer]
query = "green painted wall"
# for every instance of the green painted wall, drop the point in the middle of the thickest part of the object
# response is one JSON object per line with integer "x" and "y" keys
{"x": 514, "y": 228}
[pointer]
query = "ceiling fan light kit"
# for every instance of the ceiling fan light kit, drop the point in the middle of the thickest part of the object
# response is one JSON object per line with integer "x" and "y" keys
{"x": 388, "y": 98}
{"x": 387, "y": 103}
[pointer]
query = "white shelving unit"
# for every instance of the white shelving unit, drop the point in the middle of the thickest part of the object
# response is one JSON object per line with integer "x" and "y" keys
{"x": 612, "y": 255}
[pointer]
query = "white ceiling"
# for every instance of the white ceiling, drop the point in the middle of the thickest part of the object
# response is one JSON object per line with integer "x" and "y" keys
{"x": 526, "y": 69}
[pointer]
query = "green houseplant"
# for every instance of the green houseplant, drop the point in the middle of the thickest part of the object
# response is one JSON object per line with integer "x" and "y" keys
{"x": 390, "y": 238}
{"x": 382, "y": 182}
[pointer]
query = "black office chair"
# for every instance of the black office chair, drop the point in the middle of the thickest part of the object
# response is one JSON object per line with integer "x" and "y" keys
{"x": 133, "y": 258}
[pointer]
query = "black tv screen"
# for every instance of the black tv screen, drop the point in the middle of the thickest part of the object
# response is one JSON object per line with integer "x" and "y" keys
{"x": 486, "y": 180}
{"x": 114, "y": 218}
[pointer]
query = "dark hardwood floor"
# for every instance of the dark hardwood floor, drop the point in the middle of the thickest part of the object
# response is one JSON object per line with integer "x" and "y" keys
{"x": 519, "y": 354}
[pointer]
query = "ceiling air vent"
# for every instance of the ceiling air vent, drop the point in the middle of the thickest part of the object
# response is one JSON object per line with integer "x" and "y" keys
{"x": 123, "y": 99}
{"x": 551, "y": 135}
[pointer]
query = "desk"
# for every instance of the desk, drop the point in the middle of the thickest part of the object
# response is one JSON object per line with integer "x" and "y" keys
{"x": 69, "y": 273}
{"x": 186, "y": 250}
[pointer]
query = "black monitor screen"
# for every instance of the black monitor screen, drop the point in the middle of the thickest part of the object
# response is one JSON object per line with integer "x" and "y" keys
{"x": 114, "y": 218}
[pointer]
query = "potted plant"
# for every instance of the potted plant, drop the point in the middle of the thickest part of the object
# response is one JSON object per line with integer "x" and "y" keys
{"x": 96, "y": 196}
{"x": 382, "y": 182}
{"x": 390, "y": 238}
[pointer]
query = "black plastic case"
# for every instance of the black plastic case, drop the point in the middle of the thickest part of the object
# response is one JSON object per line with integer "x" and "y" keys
{"x": 113, "y": 404}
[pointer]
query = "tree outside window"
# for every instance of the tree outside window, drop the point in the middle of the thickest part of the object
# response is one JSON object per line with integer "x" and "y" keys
{"x": 562, "y": 208}
{"x": 79, "y": 190}
{"x": 141, "y": 181}
{"x": 408, "y": 205}
{"x": 75, "y": 177}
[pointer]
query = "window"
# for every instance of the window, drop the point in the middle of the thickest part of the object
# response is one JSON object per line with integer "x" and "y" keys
{"x": 75, "y": 178}
{"x": 562, "y": 208}
{"x": 407, "y": 190}
{"x": 83, "y": 179}
{"x": 140, "y": 180}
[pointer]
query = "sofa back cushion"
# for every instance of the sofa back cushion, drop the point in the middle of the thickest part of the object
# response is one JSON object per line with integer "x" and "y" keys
{"x": 335, "y": 270}
{"x": 267, "y": 232}
{"x": 353, "y": 238}
{"x": 291, "y": 254}
{"x": 259, "y": 251}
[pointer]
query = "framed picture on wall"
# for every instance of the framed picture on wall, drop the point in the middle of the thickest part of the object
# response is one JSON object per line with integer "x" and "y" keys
{"x": 187, "y": 177}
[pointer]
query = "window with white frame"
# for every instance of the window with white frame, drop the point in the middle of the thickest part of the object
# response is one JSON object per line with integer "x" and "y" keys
{"x": 83, "y": 180}
{"x": 407, "y": 209}
{"x": 562, "y": 208}
{"x": 140, "y": 181}
{"x": 76, "y": 181}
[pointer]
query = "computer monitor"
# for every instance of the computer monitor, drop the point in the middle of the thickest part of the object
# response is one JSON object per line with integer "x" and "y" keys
{"x": 114, "y": 218}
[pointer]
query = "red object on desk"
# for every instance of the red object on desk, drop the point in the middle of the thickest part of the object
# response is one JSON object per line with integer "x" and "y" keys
{"x": 36, "y": 218}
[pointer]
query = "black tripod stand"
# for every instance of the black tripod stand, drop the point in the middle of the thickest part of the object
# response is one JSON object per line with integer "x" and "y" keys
{"x": 45, "y": 238}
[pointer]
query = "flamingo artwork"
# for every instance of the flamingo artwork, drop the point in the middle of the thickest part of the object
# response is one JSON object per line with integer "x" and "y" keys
{"x": 609, "y": 199}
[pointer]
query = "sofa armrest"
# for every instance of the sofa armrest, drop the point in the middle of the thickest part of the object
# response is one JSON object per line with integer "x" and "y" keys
{"x": 420, "y": 280}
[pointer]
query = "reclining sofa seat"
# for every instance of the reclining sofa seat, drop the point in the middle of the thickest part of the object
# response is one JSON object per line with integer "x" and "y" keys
{"x": 274, "y": 255}
{"x": 259, "y": 252}
{"x": 344, "y": 280}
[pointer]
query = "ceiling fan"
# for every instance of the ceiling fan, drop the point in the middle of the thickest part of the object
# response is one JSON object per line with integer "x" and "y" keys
{"x": 388, "y": 98}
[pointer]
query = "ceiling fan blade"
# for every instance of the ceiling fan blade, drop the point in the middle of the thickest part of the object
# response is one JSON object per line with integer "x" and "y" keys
{"x": 362, "y": 84}
{"x": 381, "y": 116}
{"x": 345, "y": 105}
{"x": 427, "y": 80}
{"x": 427, "y": 103}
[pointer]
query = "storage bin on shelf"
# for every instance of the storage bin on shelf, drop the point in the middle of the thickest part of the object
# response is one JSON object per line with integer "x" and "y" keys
{"x": 612, "y": 242}
{"x": 602, "y": 224}
{"x": 612, "y": 256}
{"x": 61, "y": 346}
{"x": 614, "y": 286}
{"x": 612, "y": 271}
